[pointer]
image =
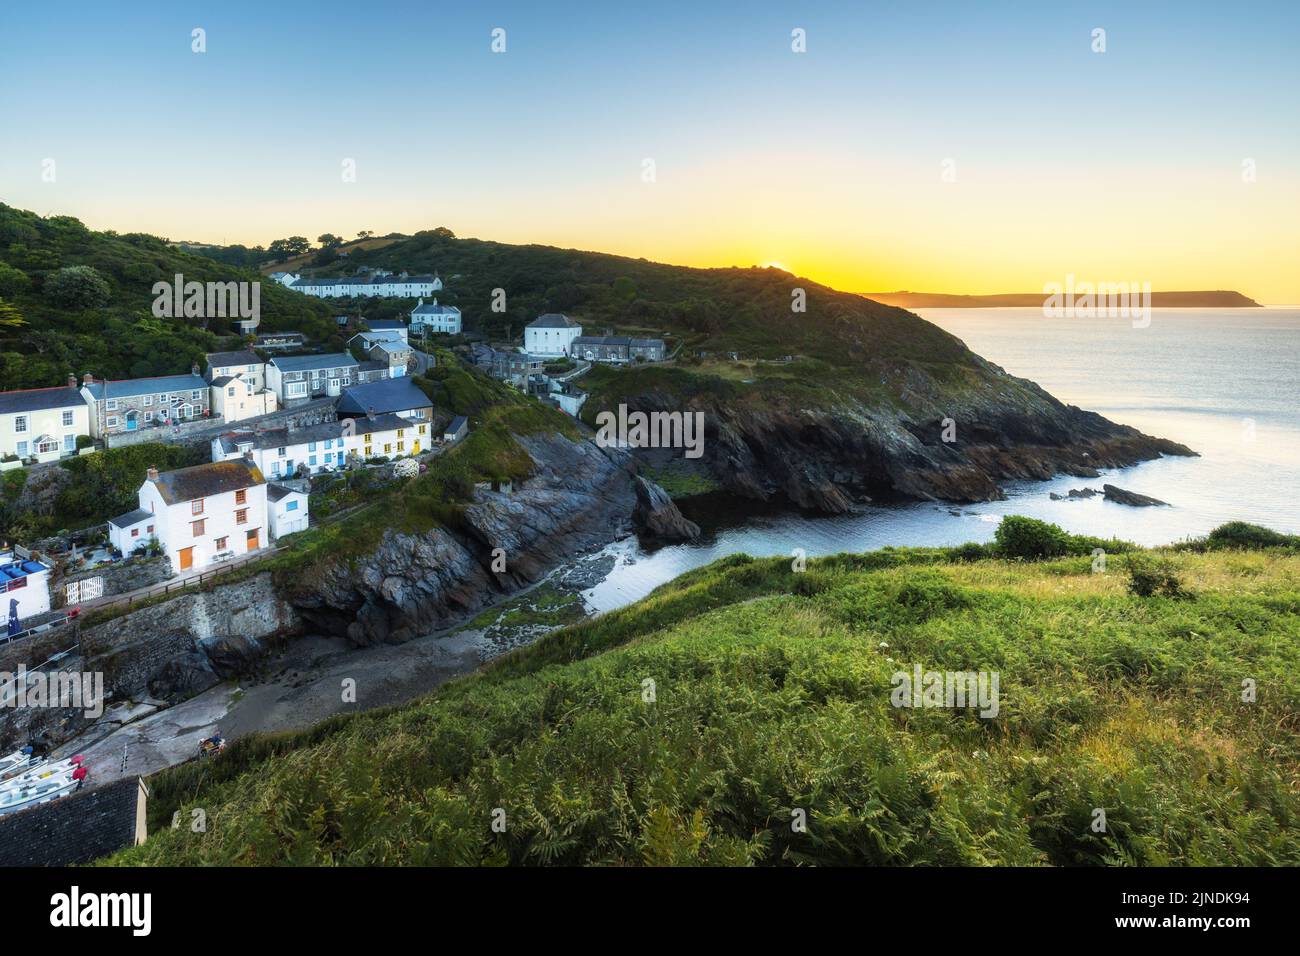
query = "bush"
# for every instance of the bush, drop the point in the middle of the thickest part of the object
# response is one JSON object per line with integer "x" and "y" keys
{"x": 85, "y": 441}
{"x": 970, "y": 551}
{"x": 78, "y": 287}
{"x": 1148, "y": 577}
{"x": 1248, "y": 537}
{"x": 1031, "y": 539}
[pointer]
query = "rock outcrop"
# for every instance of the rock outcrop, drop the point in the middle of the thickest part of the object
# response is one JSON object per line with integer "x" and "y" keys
{"x": 1122, "y": 497}
{"x": 658, "y": 518}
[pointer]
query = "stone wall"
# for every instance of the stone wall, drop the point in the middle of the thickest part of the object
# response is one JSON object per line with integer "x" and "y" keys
{"x": 202, "y": 432}
{"x": 119, "y": 577}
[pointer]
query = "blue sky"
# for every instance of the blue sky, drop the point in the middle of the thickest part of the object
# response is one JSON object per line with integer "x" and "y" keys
{"x": 757, "y": 150}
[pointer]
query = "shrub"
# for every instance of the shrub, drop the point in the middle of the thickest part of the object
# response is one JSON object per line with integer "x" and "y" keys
{"x": 1249, "y": 537}
{"x": 970, "y": 551}
{"x": 85, "y": 441}
{"x": 78, "y": 287}
{"x": 1029, "y": 538}
{"x": 1149, "y": 576}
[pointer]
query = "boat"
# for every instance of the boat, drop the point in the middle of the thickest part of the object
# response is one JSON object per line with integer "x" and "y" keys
{"x": 39, "y": 789}
{"x": 41, "y": 771}
{"x": 20, "y": 761}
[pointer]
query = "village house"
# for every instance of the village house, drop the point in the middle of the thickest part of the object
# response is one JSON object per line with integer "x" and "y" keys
{"x": 275, "y": 341}
{"x": 24, "y": 584}
{"x": 314, "y": 449}
{"x": 43, "y": 423}
{"x": 386, "y": 347}
{"x": 386, "y": 328}
{"x": 394, "y": 396}
{"x": 299, "y": 378}
{"x": 617, "y": 349}
{"x": 404, "y": 286}
{"x": 508, "y": 365}
{"x": 457, "y": 430}
{"x": 428, "y": 318}
{"x": 204, "y": 514}
{"x": 128, "y": 405}
{"x": 288, "y": 510}
{"x": 238, "y": 386}
{"x": 285, "y": 278}
{"x": 550, "y": 334}
{"x": 132, "y": 532}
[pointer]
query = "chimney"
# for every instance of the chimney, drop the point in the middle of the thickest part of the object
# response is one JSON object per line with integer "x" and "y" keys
{"x": 151, "y": 474}
{"x": 72, "y": 380}
{"x": 88, "y": 380}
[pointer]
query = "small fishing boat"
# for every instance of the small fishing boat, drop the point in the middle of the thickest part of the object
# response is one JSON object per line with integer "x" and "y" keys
{"x": 20, "y": 761}
{"x": 41, "y": 771}
{"x": 40, "y": 789}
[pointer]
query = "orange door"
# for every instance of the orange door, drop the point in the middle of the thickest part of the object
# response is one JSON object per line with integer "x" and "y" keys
{"x": 252, "y": 540}
{"x": 187, "y": 558}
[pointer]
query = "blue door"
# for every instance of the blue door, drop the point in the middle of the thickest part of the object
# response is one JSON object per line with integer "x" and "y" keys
{"x": 131, "y": 421}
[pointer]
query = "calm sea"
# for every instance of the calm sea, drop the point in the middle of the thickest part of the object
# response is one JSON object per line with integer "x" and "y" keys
{"x": 1224, "y": 382}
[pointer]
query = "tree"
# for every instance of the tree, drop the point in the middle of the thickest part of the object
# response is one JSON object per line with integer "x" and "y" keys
{"x": 329, "y": 240}
{"x": 78, "y": 287}
{"x": 11, "y": 320}
{"x": 365, "y": 233}
{"x": 283, "y": 249}
{"x": 12, "y": 281}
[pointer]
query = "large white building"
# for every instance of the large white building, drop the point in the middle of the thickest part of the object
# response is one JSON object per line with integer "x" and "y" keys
{"x": 550, "y": 334}
{"x": 43, "y": 423}
{"x": 25, "y": 583}
{"x": 200, "y": 516}
{"x": 402, "y": 286}
{"x": 287, "y": 452}
{"x": 430, "y": 317}
{"x": 238, "y": 386}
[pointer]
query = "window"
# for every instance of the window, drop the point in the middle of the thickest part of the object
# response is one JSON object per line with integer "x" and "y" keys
{"x": 67, "y": 419}
{"x": 196, "y": 506}
{"x": 369, "y": 452}
{"x": 241, "y": 516}
{"x": 297, "y": 388}
{"x": 135, "y": 532}
{"x": 388, "y": 448}
{"x": 20, "y": 424}
{"x": 231, "y": 391}
{"x": 241, "y": 496}
{"x": 197, "y": 527}
{"x": 196, "y": 395}
{"x": 311, "y": 446}
{"x": 221, "y": 543}
{"x": 422, "y": 429}
{"x": 22, "y": 449}
{"x": 162, "y": 399}
{"x": 401, "y": 432}
{"x": 148, "y": 400}
{"x": 112, "y": 421}
{"x": 280, "y": 452}
{"x": 311, "y": 460}
{"x": 401, "y": 446}
{"x": 291, "y": 506}
{"x": 111, "y": 405}
{"x": 329, "y": 458}
{"x": 367, "y": 439}
{"x": 148, "y": 529}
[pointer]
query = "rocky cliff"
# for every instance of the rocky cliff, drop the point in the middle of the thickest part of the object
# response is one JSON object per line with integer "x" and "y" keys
{"x": 930, "y": 441}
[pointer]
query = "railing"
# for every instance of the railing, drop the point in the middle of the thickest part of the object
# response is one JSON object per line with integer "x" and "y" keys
{"x": 176, "y": 586}
{"x": 8, "y": 638}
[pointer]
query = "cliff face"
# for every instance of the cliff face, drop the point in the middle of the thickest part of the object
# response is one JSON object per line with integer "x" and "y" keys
{"x": 579, "y": 497}
{"x": 935, "y": 442}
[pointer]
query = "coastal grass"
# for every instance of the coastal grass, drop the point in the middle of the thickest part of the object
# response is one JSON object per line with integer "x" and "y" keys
{"x": 695, "y": 726}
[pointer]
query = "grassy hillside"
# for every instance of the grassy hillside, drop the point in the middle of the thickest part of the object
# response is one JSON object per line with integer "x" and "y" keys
{"x": 43, "y": 336}
{"x": 772, "y": 695}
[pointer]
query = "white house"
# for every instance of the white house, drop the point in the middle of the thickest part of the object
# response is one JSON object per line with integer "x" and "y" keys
{"x": 285, "y": 278}
{"x": 288, "y": 510}
{"x": 25, "y": 581}
{"x": 133, "y": 531}
{"x": 285, "y": 452}
{"x": 430, "y": 317}
{"x": 237, "y": 381}
{"x": 204, "y": 514}
{"x": 550, "y": 334}
{"x": 404, "y": 286}
{"x": 43, "y": 423}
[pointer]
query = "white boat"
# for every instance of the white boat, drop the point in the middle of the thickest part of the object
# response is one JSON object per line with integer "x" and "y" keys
{"x": 39, "y": 789}
{"x": 20, "y": 761}
{"x": 41, "y": 771}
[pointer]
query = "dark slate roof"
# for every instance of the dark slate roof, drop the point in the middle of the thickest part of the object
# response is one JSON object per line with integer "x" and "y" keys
{"x": 552, "y": 320}
{"x": 389, "y": 395}
{"x": 618, "y": 340}
{"x": 281, "y": 437}
{"x": 130, "y": 518}
{"x": 203, "y": 481}
{"x": 433, "y": 308}
{"x": 457, "y": 423}
{"x": 242, "y": 358}
{"x": 128, "y": 387}
{"x": 37, "y": 399}
{"x": 275, "y": 492}
{"x": 374, "y": 365}
{"x": 81, "y": 827}
{"x": 305, "y": 363}
{"x": 224, "y": 380}
{"x": 279, "y": 336}
{"x": 383, "y": 325}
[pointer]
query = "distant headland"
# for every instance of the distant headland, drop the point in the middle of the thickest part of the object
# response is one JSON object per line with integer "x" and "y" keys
{"x": 1218, "y": 299}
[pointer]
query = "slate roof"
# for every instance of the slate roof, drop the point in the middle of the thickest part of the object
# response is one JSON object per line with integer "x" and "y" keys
{"x": 457, "y": 423}
{"x": 384, "y": 325}
{"x": 433, "y": 308}
{"x": 280, "y": 437}
{"x": 618, "y": 340}
{"x": 130, "y": 518}
{"x": 76, "y": 829}
{"x": 203, "y": 481}
{"x": 389, "y": 395}
{"x": 243, "y": 358}
{"x": 38, "y": 399}
{"x": 131, "y": 387}
{"x": 277, "y": 492}
{"x": 305, "y": 363}
{"x": 553, "y": 320}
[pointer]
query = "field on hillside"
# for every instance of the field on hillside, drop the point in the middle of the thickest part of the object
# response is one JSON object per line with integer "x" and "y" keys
{"x": 705, "y": 723}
